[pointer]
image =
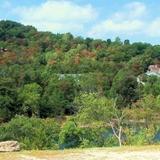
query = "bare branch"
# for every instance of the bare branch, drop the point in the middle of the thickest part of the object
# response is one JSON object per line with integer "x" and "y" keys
{"x": 114, "y": 131}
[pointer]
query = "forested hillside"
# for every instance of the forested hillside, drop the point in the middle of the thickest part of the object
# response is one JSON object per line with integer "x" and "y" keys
{"x": 45, "y": 75}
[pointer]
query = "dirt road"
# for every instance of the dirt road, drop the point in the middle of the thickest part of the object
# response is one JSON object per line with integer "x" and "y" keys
{"x": 89, "y": 154}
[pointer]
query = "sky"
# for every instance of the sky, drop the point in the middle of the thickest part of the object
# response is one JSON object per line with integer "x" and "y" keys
{"x": 136, "y": 20}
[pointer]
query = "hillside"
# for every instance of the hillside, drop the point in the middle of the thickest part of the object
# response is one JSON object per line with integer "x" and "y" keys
{"x": 69, "y": 91}
{"x": 36, "y": 57}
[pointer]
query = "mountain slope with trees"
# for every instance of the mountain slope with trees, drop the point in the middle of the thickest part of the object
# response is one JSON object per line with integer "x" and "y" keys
{"x": 46, "y": 75}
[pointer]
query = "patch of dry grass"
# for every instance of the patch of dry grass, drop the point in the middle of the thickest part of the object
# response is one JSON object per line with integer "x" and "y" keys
{"x": 115, "y": 153}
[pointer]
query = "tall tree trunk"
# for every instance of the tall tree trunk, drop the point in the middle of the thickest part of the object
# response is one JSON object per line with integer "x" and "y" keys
{"x": 120, "y": 142}
{"x": 117, "y": 133}
{"x": 120, "y": 136}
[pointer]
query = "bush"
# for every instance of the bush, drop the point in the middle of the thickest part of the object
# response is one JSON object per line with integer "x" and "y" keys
{"x": 140, "y": 136}
{"x": 69, "y": 136}
{"x": 97, "y": 137}
{"x": 32, "y": 133}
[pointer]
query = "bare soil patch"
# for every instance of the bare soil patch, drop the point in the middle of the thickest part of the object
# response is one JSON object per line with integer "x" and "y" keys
{"x": 125, "y": 153}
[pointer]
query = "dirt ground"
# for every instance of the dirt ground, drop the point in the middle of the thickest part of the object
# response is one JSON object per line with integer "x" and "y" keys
{"x": 147, "y": 153}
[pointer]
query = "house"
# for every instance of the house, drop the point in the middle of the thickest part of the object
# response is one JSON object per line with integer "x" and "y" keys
{"x": 3, "y": 49}
{"x": 154, "y": 70}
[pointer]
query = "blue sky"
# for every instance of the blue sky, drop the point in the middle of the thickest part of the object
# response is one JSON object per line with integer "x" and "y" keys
{"x": 137, "y": 20}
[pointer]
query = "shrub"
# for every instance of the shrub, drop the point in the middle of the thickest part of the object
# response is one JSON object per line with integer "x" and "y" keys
{"x": 32, "y": 133}
{"x": 140, "y": 136}
{"x": 69, "y": 136}
{"x": 97, "y": 137}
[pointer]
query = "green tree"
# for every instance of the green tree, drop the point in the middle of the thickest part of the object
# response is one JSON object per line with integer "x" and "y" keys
{"x": 95, "y": 109}
{"x": 145, "y": 111}
{"x": 69, "y": 136}
{"x": 126, "y": 42}
{"x": 8, "y": 99}
{"x": 30, "y": 95}
{"x": 124, "y": 87}
{"x": 58, "y": 96}
{"x": 152, "y": 86}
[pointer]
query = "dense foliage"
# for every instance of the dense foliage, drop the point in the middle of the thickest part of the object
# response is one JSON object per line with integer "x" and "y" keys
{"x": 45, "y": 75}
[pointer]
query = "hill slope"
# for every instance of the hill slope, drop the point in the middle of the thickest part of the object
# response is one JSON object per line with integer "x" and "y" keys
{"x": 31, "y": 57}
{"x": 59, "y": 76}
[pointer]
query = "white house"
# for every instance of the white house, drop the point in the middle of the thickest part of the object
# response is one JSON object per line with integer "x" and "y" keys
{"x": 153, "y": 70}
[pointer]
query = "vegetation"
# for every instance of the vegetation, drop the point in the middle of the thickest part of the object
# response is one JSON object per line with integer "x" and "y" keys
{"x": 60, "y": 91}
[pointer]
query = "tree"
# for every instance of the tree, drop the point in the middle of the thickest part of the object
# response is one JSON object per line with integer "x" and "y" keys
{"x": 146, "y": 109}
{"x": 117, "y": 41}
{"x": 93, "y": 82}
{"x": 126, "y": 42}
{"x": 30, "y": 95}
{"x": 93, "y": 108}
{"x": 152, "y": 86}
{"x": 109, "y": 41}
{"x": 69, "y": 136}
{"x": 124, "y": 87}
{"x": 8, "y": 95}
{"x": 58, "y": 96}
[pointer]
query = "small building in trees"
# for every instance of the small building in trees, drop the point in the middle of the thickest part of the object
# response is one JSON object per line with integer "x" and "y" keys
{"x": 154, "y": 70}
{"x": 3, "y": 49}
